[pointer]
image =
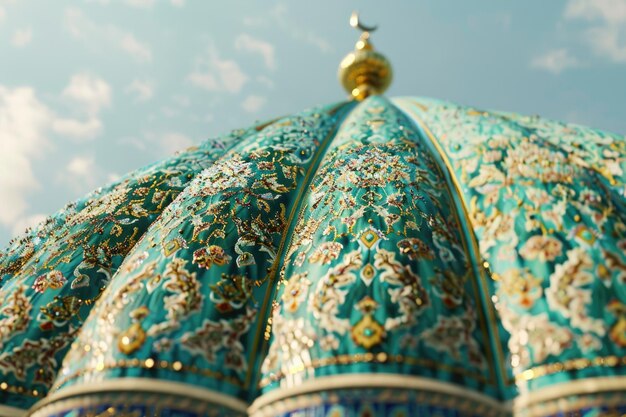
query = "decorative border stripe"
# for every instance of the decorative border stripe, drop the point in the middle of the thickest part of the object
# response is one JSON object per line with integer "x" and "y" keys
{"x": 372, "y": 380}
{"x": 145, "y": 385}
{"x": 6, "y": 411}
{"x": 528, "y": 404}
{"x": 577, "y": 387}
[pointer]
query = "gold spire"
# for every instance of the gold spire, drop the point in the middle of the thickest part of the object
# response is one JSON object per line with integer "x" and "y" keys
{"x": 364, "y": 72}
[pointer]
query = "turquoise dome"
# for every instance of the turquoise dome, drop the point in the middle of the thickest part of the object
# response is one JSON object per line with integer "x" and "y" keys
{"x": 390, "y": 257}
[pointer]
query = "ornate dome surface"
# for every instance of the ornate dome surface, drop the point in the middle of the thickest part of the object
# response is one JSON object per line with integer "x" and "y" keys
{"x": 391, "y": 257}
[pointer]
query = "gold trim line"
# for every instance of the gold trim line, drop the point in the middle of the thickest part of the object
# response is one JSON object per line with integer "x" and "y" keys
{"x": 576, "y": 364}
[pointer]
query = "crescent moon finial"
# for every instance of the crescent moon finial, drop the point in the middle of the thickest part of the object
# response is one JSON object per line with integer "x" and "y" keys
{"x": 356, "y": 23}
{"x": 364, "y": 72}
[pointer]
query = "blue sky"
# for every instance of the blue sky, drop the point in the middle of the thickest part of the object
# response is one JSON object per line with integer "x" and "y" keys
{"x": 92, "y": 89}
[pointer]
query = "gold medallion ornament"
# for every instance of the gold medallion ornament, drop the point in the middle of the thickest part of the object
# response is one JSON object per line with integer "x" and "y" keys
{"x": 364, "y": 72}
{"x": 131, "y": 339}
{"x": 367, "y": 332}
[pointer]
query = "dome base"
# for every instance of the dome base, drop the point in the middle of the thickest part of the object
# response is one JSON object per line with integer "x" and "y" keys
{"x": 138, "y": 397}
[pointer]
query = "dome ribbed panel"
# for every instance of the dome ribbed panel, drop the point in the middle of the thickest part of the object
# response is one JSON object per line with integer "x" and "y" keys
{"x": 378, "y": 277}
{"x": 51, "y": 276}
{"x": 546, "y": 203}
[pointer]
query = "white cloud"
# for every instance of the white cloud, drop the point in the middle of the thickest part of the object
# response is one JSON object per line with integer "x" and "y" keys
{"x": 2, "y": 14}
{"x": 205, "y": 80}
{"x": 137, "y": 49}
{"x": 94, "y": 35}
{"x": 182, "y": 101}
{"x": 607, "y": 41}
{"x": 178, "y": 3}
{"x": 90, "y": 92}
{"x": 159, "y": 144}
{"x": 140, "y": 3}
{"x": 22, "y": 37}
{"x": 173, "y": 142}
{"x": 215, "y": 74}
{"x": 26, "y": 124}
{"x": 279, "y": 17}
{"x": 555, "y": 61}
{"x": 24, "y": 121}
{"x": 607, "y": 33}
{"x": 77, "y": 129}
{"x": 266, "y": 81}
{"x": 23, "y": 223}
{"x": 77, "y": 23}
{"x": 245, "y": 42}
{"x": 612, "y": 11}
{"x": 87, "y": 95}
{"x": 143, "y": 90}
{"x": 253, "y": 103}
{"x": 80, "y": 174}
{"x": 80, "y": 165}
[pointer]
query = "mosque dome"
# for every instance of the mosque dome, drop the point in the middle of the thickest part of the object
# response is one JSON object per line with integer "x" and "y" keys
{"x": 375, "y": 257}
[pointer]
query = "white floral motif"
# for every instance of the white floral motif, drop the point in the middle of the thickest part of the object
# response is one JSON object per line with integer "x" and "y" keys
{"x": 533, "y": 338}
{"x": 567, "y": 295}
{"x": 331, "y": 293}
{"x": 224, "y": 335}
{"x": 225, "y": 174}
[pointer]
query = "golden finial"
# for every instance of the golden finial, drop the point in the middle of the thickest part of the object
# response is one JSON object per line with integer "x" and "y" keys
{"x": 364, "y": 72}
